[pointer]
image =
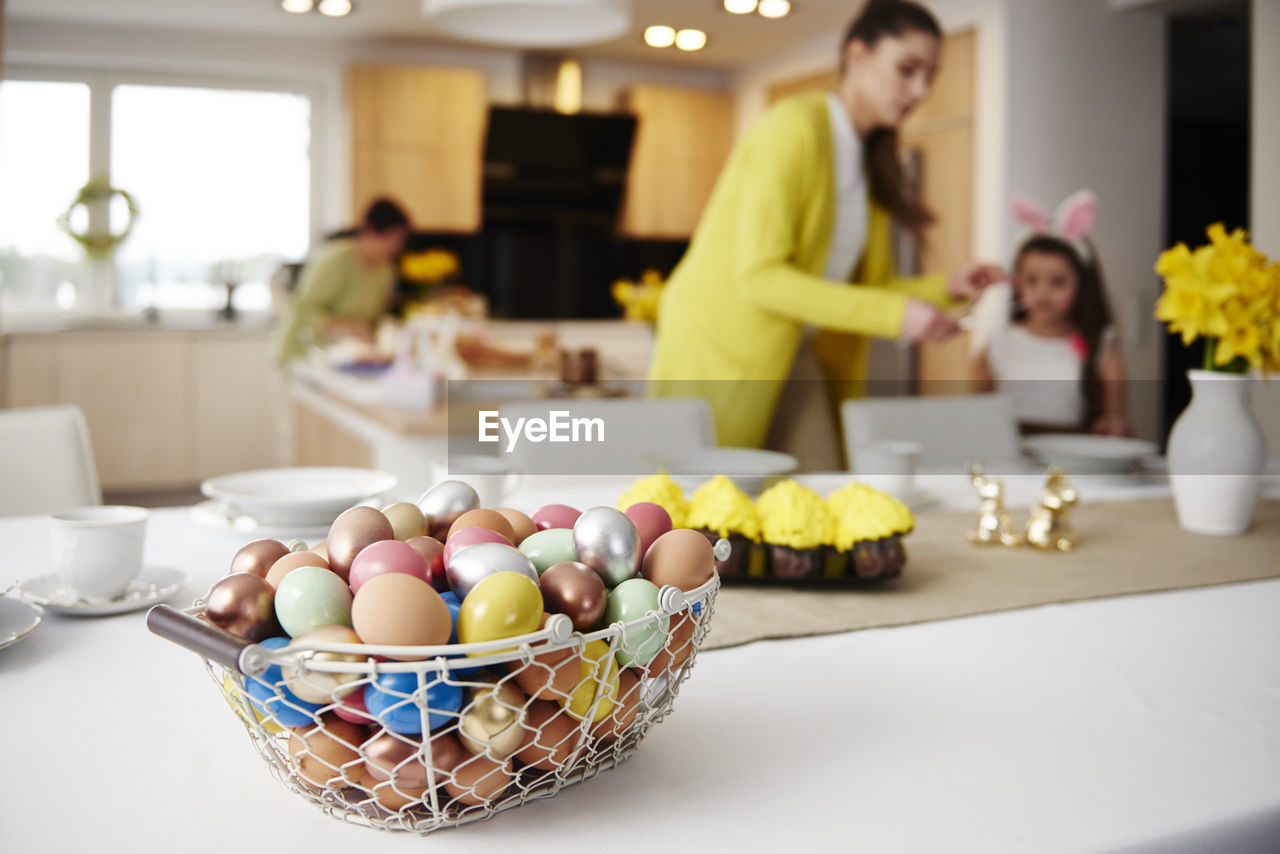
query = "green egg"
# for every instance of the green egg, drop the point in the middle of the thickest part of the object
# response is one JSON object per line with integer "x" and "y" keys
{"x": 547, "y": 548}
{"x": 631, "y": 600}
{"x": 310, "y": 597}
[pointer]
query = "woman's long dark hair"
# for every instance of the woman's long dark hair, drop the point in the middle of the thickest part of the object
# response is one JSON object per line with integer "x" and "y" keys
{"x": 1090, "y": 312}
{"x": 880, "y": 18}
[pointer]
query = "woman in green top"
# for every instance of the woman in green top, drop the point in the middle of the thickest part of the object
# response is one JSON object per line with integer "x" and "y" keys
{"x": 346, "y": 287}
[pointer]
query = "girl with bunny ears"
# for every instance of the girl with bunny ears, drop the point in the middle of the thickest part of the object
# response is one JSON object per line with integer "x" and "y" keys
{"x": 1058, "y": 358}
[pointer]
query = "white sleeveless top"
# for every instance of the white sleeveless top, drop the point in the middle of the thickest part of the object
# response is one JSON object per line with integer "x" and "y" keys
{"x": 1041, "y": 375}
{"x": 849, "y": 234}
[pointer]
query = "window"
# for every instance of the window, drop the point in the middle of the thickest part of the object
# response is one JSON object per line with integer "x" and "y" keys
{"x": 221, "y": 178}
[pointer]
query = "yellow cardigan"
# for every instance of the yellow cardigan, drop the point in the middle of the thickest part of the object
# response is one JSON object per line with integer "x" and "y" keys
{"x": 735, "y": 308}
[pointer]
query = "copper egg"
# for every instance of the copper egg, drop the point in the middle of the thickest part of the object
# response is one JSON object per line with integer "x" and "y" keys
{"x": 244, "y": 605}
{"x": 352, "y": 531}
{"x": 257, "y": 557}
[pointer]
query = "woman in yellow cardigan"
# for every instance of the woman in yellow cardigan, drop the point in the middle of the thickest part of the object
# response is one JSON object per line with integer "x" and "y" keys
{"x": 797, "y": 234}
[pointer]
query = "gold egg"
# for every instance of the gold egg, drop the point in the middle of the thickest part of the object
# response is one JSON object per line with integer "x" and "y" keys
{"x": 321, "y": 687}
{"x": 406, "y": 520}
{"x": 492, "y": 723}
{"x": 322, "y": 548}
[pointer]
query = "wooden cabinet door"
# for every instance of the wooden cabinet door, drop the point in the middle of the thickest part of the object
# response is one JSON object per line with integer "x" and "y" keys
{"x": 417, "y": 136}
{"x": 29, "y": 370}
{"x": 682, "y": 141}
{"x": 238, "y": 404}
{"x": 134, "y": 391}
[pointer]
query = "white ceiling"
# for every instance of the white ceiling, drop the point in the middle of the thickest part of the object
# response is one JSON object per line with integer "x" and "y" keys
{"x": 733, "y": 40}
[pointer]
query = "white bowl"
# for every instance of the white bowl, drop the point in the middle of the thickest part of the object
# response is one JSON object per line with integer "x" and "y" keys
{"x": 1084, "y": 454}
{"x": 750, "y": 468}
{"x": 297, "y": 493}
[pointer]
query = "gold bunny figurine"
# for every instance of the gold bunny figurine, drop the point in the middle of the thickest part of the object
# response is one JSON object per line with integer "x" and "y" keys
{"x": 1048, "y": 527}
{"x": 995, "y": 527}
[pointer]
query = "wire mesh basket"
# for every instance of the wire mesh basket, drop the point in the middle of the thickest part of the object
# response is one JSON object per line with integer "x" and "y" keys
{"x": 420, "y": 738}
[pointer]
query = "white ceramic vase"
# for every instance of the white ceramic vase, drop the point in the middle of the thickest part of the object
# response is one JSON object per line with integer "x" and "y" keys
{"x": 1216, "y": 455}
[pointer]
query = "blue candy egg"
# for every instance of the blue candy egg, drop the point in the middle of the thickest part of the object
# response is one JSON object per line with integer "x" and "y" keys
{"x": 389, "y": 699}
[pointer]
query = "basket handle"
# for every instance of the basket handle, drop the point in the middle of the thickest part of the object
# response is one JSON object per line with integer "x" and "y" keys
{"x": 203, "y": 639}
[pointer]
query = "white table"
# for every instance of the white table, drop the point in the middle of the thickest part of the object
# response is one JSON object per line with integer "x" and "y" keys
{"x": 1142, "y": 723}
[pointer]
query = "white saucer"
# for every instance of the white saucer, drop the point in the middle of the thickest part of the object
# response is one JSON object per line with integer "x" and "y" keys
{"x": 218, "y": 515}
{"x": 17, "y": 619}
{"x": 153, "y": 584}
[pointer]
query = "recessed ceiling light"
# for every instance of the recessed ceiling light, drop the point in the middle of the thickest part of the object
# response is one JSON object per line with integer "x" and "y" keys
{"x": 335, "y": 8}
{"x": 775, "y": 8}
{"x": 740, "y": 7}
{"x": 691, "y": 39}
{"x": 298, "y": 7}
{"x": 659, "y": 36}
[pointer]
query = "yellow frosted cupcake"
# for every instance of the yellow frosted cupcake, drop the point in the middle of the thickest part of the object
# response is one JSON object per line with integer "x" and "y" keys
{"x": 798, "y": 525}
{"x": 870, "y": 525}
{"x": 661, "y": 490}
{"x": 720, "y": 509}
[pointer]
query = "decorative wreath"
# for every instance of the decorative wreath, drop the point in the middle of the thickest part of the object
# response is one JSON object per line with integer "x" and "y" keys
{"x": 96, "y": 244}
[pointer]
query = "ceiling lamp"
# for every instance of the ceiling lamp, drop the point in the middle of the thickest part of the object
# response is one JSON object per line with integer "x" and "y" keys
{"x": 531, "y": 23}
{"x": 775, "y": 8}
{"x": 691, "y": 39}
{"x": 298, "y": 7}
{"x": 740, "y": 7}
{"x": 659, "y": 36}
{"x": 335, "y": 8}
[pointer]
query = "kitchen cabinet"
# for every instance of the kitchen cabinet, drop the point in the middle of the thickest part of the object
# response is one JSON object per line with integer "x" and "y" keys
{"x": 166, "y": 408}
{"x": 681, "y": 144}
{"x": 417, "y": 136}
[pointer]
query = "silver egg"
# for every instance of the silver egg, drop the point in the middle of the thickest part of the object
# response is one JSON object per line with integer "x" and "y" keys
{"x": 608, "y": 542}
{"x": 467, "y": 566}
{"x": 443, "y": 503}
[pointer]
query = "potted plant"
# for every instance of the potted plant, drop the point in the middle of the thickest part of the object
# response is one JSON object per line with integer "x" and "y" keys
{"x": 1226, "y": 294}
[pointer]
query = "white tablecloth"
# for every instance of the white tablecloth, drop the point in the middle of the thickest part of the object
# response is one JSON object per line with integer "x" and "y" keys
{"x": 1143, "y": 723}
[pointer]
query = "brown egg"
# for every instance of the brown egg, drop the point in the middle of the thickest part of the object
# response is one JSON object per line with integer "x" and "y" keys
{"x": 478, "y": 780}
{"x": 432, "y": 551}
{"x": 244, "y": 605}
{"x": 325, "y": 750}
{"x": 321, "y": 548}
{"x": 625, "y": 711}
{"x": 400, "y": 610}
{"x": 575, "y": 590}
{"x": 521, "y": 525}
{"x": 289, "y": 563}
{"x": 678, "y": 648}
{"x": 406, "y": 520}
{"x": 317, "y": 686}
{"x": 550, "y": 736}
{"x": 551, "y": 675}
{"x": 352, "y": 531}
{"x": 393, "y": 763}
{"x": 491, "y": 519}
{"x": 682, "y": 558}
{"x": 257, "y": 557}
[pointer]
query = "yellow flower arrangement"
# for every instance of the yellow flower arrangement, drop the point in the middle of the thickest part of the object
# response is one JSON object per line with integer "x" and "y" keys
{"x": 1227, "y": 293}
{"x": 430, "y": 267}
{"x": 639, "y": 300}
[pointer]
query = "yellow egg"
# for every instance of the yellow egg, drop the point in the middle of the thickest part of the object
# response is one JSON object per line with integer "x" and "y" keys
{"x": 502, "y": 605}
{"x": 599, "y": 671}
{"x": 406, "y": 520}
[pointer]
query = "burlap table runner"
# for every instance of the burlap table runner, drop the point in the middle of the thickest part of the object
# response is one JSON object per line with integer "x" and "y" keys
{"x": 1125, "y": 547}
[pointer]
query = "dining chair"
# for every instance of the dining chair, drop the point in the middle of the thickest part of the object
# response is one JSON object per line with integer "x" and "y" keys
{"x": 46, "y": 461}
{"x": 635, "y": 431}
{"x": 952, "y": 430}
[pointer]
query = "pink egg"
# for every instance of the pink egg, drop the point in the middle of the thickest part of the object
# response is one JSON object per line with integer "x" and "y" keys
{"x": 555, "y": 516}
{"x": 469, "y": 537}
{"x": 651, "y": 520}
{"x": 386, "y": 556}
{"x": 352, "y": 710}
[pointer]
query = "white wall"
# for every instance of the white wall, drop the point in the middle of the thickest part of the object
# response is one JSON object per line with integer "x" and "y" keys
{"x": 1264, "y": 202}
{"x": 315, "y": 67}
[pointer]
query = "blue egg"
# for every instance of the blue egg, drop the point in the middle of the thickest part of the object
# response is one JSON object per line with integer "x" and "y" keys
{"x": 271, "y": 698}
{"x": 451, "y": 602}
{"x": 697, "y": 608}
{"x": 389, "y": 699}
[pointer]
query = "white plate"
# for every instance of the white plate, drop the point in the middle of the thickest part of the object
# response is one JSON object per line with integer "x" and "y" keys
{"x": 297, "y": 495}
{"x": 17, "y": 619}
{"x": 215, "y": 514}
{"x": 1083, "y": 454}
{"x": 153, "y": 584}
{"x": 750, "y": 468}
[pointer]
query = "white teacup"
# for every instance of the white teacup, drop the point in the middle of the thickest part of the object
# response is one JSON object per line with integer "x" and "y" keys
{"x": 97, "y": 551}
{"x": 889, "y": 466}
{"x": 493, "y": 478}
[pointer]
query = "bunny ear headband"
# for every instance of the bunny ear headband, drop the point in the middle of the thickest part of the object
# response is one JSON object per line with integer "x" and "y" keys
{"x": 1071, "y": 223}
